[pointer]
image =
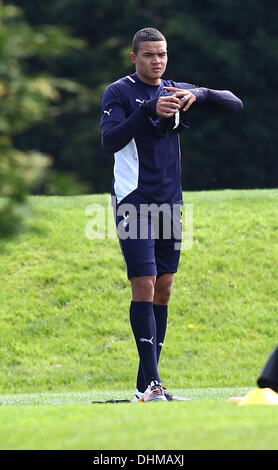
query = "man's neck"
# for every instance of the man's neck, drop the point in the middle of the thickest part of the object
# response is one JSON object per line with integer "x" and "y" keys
{"x": 148, "y": 81}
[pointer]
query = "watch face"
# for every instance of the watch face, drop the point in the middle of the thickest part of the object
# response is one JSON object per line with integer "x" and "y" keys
{"x": 145, "y": 108}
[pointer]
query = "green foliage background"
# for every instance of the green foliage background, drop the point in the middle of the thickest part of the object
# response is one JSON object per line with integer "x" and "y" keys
{"x": 26, "y": 97}
{"x": 218, "y": 43}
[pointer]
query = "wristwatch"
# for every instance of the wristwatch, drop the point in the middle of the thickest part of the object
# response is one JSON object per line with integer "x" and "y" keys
{"x": 145, "y": 108}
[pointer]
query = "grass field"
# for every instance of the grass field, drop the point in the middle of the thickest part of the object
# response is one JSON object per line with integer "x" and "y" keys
{"x": 66, "y": 338}
{"x": 68, "y": 421}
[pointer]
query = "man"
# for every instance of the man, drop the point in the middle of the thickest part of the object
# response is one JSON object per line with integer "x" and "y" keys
{"x": 142, "y": 115}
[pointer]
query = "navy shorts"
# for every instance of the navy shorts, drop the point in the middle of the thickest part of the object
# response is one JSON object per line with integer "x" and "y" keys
{"x": 150, "y": 240}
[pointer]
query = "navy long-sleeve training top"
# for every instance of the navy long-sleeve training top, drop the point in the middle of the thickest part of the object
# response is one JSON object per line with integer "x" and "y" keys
{"x": 147, "y": 166}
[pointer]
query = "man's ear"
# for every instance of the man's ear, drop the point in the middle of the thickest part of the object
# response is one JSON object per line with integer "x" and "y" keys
{"x": 133, "y": 57}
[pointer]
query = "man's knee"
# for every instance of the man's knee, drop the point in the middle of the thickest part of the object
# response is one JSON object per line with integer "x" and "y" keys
{"x": 143, "y": 288}
{"x": 163, "y": 289}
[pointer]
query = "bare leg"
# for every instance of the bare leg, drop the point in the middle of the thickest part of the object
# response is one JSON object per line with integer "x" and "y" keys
{"x": 163, "y": 287}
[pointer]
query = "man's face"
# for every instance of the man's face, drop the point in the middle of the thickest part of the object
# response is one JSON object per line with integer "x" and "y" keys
{"x": 150, "y": 61}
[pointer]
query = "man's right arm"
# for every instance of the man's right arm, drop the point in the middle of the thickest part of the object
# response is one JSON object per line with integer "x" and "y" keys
{"x": 117, "y": 130}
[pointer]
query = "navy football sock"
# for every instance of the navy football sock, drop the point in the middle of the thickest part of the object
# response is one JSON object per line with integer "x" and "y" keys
{"x": 143, "y": 325}
{"x": 141, "y": 383}
{"x": 161, "y": 315}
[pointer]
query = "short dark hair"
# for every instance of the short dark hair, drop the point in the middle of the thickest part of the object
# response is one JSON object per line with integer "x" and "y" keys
{"x": 146, "y": 34}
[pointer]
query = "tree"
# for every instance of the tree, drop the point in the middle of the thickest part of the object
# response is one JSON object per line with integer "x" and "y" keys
{"x": 221, "y": 44}
{"x": 26, "y": 99}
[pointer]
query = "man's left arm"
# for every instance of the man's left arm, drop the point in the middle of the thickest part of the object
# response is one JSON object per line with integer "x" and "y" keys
{"x": 223, "y": 99}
